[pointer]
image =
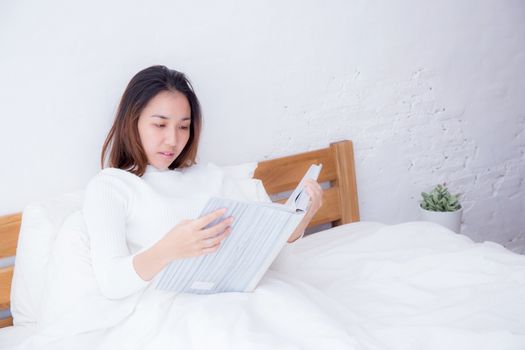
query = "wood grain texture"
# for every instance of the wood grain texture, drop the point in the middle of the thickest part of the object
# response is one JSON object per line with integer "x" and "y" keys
{"x": 6, "y": 276}
{"x": 9, "y": 228}
{"x": 9, "y": 232}
{"x": 346, "y": 180}
{"x": 283, "y": 174}
{"x": 6, "y": 322}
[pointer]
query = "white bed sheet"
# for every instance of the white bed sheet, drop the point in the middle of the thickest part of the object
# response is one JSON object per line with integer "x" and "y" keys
{"x": 358, "y": 286}
{"x": 13, "y": 336}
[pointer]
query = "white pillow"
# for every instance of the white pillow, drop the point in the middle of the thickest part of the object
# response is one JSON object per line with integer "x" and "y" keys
{"x": 240, "y": 171}
{"x": 69, "y": 272}
{"x": 40, "y": 224}
{"x": 239, "y": 178}
{"x": 72, "y": 298}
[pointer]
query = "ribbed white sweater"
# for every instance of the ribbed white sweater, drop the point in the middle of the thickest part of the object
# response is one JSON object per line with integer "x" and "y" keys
{"x": 126, "y": 214}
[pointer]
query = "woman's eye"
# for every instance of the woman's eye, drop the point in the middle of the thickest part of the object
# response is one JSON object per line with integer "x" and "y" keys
{"x": 163, "y": 125}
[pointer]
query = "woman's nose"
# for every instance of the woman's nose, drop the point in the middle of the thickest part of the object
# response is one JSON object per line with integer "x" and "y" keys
{"x": 171, "y": 138}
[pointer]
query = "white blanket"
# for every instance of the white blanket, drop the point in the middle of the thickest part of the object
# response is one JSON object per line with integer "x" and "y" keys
{"x": 357, "y": 286}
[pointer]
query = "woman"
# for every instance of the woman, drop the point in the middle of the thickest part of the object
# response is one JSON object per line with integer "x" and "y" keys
{"x": 141, "y": 212}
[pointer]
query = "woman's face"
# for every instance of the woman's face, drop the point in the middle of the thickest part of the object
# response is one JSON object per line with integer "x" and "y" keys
{"x": 164, "y": 127}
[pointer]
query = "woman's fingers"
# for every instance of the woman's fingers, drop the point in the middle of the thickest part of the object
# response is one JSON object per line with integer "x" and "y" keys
{"x": 314, "y": 189}
{"x": 203, "y": 221}
{"x": 210, "y": 249}
{"x": 316, "y": 194}
{"x": 213, "y": 231}
{"x": 215, "y": 242}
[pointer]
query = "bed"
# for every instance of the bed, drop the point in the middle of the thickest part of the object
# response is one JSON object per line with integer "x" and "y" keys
{"x": 352, "y": 285}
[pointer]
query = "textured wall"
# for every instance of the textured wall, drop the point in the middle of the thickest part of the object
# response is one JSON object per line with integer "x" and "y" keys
{"x": 428, "y": 92}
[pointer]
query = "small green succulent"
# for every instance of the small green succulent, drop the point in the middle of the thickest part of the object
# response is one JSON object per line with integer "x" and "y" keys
{"x": 439, "y": 199}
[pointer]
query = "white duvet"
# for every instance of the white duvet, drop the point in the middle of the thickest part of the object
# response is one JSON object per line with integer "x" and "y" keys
{"x": 358, "y": 286}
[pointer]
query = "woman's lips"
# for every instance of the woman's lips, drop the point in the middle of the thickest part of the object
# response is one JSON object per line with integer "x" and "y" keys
{"x": 167, "y": 155}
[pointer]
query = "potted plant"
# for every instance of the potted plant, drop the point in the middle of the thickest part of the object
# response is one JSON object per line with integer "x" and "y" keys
{"x": 441, "y": 207}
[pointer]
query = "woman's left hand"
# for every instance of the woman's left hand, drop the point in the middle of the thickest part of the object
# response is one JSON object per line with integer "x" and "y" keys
{"x": 315, "y": 192}
{"x": 316, "y": 196}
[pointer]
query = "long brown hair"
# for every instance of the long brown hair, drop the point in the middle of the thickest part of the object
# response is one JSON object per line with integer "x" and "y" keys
{"x": 123, "y": 137}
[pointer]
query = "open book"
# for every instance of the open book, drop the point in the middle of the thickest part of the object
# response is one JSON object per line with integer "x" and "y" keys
{"x": 259, "y": 232}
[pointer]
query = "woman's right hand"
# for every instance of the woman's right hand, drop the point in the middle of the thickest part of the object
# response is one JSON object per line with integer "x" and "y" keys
{"x": 190, "y": 237}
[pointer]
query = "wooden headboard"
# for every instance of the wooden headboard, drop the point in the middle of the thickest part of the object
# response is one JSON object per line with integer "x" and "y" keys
{"x": 278, "y": 175}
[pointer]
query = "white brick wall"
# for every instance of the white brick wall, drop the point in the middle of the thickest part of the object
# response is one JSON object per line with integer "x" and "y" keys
{"x": 428, "y": 92}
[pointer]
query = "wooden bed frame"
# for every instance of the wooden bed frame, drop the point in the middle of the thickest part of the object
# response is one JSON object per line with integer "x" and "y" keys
{"x": 278, "y": 175}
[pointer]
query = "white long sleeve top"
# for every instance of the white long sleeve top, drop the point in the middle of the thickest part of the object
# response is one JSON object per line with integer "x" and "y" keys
{"x": 126, "y": 214}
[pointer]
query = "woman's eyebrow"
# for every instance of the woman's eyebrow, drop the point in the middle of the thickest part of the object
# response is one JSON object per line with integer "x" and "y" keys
{"x": 166, "y": 117}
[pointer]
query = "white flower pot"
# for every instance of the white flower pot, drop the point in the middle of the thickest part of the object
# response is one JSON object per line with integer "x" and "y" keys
{"x": 448, "y": 219}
